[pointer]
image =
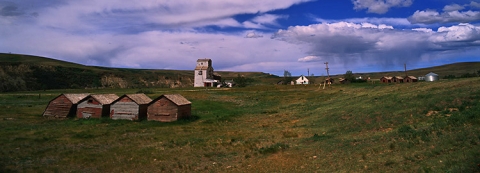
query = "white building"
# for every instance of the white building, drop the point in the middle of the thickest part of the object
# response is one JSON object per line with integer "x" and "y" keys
{"x": 204, "y": 74}
{"x": 302, "y": 80}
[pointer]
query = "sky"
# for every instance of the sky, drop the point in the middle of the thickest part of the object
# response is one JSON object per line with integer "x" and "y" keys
{"x": 268, "y": 36}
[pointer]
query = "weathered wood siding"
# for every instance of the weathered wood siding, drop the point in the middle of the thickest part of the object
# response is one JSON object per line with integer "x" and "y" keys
{"x": 60, "y": 107}
{"x": 125, "y": 108}
{"x": 185, "y": 111}
{"x": 162, "y": 110}
{"x": 90, "y": 109}
{"x": 165, "y": 110}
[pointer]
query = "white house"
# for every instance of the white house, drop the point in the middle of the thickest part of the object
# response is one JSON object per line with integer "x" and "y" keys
{"x": 204, "y": 74}
{"x": 302, "y": 80}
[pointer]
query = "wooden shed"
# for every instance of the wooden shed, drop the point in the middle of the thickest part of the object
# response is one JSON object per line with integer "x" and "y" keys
{"x": 386, "y": 79}
{"x": 63, "y": 106}
{"x": 95, "y": 106}
{"x": 397, "y": 79}
{"x": 130, "y": 107}
{"x": 410, "y": 79}
{"x": 168, "y": 108}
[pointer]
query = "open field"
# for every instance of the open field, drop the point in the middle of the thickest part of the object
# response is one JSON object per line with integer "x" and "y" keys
{"x": 418, "y": 127}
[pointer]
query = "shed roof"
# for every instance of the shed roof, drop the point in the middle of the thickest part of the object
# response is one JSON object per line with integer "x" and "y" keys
{"x": 411, "y": 77}
{"x": 399, "y": 77}
{"x": 75, "y": 98}
{"x": 177, "y": 99}
{"x": 139, "y": 98}
{"x": 387, "y": 77}
{"x": 105, "y": 99}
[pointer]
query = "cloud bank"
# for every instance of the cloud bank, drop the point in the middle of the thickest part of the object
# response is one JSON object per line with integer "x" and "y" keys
{"x": 350, "y": 43}
{"x": 451, "y": 14}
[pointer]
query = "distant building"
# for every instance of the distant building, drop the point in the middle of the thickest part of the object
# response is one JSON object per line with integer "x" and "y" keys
{"x": 204, "y": 76}
{"x": 397, "y": 79}
{"x": 169, "y": 107}
{"x": 95, "y": 106}
{"x": 430, "y": 77}
{"x": 409, "y": 79}
{"x": 386, "y": 79}
{"x": 302, "y": 80}
{"x": 63, "y": 106}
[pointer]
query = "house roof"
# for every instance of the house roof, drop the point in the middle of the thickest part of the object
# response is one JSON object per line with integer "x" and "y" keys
{"x": 104, "y": 99}
{"x": 302, "y": 77}
{"x": 399, "y": 77}
{"x": 177, "y": 99}
{"x": 75, "y": 98}
{"x": 140, "y": 98}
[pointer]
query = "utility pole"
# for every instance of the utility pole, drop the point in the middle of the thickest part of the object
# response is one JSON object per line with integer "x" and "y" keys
{"x": 308, "y": 71}
{"x": 328, "y": 74}
{"x": 405, "y": 66}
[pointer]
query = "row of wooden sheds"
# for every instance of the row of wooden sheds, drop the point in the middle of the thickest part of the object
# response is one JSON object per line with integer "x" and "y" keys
{"x": 398, "y": 79}
{"x": 165, "y": 108}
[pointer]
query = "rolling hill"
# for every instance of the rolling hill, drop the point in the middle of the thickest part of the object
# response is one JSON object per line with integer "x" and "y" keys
{"x": 26, "y": 72}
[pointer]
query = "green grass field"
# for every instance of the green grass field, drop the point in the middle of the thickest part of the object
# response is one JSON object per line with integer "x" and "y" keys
{"x": 418, "y": 127}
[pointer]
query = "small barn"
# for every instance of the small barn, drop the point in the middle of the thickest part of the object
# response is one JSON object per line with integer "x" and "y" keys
{"x": 430, "y": 77}
{"x": 95, "y": 106}
{"x": 63, "y": 106}
{"x": 397, "y": 79}
{"x": 409, "y": 79}
{"x": 386, "y": 79}
{"x": 130, "y": 107}
{"x": 302, "y": 80}
{"x": 168, "y": 108}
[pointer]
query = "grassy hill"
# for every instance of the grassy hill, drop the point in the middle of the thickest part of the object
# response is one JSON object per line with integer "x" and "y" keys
{"x": 410, "y": 127}
{"x": 25, "y": 72}
{"x": 455, "y": 69}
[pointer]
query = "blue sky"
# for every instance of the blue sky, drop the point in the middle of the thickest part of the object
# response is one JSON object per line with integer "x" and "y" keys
{"x": 268, "y": 36}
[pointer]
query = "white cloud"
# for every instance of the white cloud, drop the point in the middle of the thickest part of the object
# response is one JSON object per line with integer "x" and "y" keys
{"x": 269, "y": 19}
{"x": 180, "y": 13}
{"x": 431, "y": 16}
{"x": 310, "y": 59}
{"x": 351, "y": 43}
{"x": 453, "y": 7}
{"x": 451, "y": 14}
{"x": 253, "y": 35}
{"x": 379, "y": 6}
{"x": 474, "y": 4}
{"x": 376, "y": 21}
